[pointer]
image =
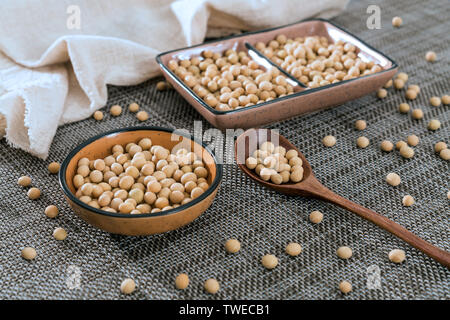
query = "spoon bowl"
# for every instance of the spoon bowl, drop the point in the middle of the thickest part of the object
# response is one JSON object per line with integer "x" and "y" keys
{"x": 309, "y": 186}
{"x": 248, "y": 142}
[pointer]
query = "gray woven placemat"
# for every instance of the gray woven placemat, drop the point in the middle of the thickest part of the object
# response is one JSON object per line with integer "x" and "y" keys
{"x": 264, "y": 221}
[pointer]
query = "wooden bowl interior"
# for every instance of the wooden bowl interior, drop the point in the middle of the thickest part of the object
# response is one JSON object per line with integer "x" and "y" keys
{"x": 101, "y": 148}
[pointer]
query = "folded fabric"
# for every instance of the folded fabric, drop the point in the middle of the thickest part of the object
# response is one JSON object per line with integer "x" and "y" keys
{"x": 57, "y": 56}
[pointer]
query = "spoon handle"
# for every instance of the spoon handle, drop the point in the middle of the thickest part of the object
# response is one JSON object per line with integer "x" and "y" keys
{"x": 322, "y": 192}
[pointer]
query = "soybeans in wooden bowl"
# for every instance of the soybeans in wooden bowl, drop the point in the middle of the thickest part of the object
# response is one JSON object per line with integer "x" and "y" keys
{"x": 119, "y": 198}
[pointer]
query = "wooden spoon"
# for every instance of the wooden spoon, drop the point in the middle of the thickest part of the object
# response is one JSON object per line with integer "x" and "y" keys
{"x": 247, "y": 143}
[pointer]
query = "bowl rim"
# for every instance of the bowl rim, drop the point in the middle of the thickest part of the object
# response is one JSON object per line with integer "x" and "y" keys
{"x": 305, "y": 90}
{"x": 71, "y": 196}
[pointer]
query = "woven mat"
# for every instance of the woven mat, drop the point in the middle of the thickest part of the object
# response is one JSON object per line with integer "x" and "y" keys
{"x": 264, "y": 221}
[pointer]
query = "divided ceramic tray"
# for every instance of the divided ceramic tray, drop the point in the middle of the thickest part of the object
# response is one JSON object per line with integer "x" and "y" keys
{"x": 303, "y": 99}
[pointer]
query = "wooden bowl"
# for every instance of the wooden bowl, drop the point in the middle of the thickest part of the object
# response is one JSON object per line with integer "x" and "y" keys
{"x": 139, "y": 224}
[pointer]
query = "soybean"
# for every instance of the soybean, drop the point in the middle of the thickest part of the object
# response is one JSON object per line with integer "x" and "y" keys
{"x": 393, "y": 179}
{"x": 293, "y": 249}
{"x": 397, "y": 256}
{"x": 24, "y": 181}
{"x": 232, "y": 246}
{"x": 212, "y": 286}
{"x": 360, "y": 124}
{"x": 417, "y": 114}
{"x": 128, "y": 286}
{"x": 407, "y": 152}
{"x": 386, "y": 145}
{"x": 316, "y": 217}
{"x": 345, "y": 287}
{"x": 430, "y": 56}
{"x": 344, "y": 252}
{"x": 445, "y": 154}
{"x": 133, "y": 107}
{"x": 329, "y": 141}
{"x": 382, "y": 93}
{"x": 362, "y": 142}
{"x": 440, "y": 146}
{"x": 407, "y": 200}
{"x": 413, "y": 140}
{"x": 60, "y": 234}
{"x": 397, "y": 22}
{"x": 435, "y": 101}
{"x": 182, "y": 281}
{"x": 434, "y": 124}
{"x": 115, "y": 110}
{"x": 51, "y": 211}
{"x": 269, "y": 261}
{"x": 403, "y": 108}
{"x": 142, "y": 116}
{"x": 53, "y": 167}
{"x": 28, "y": 253}
{"x": 98, "y": 115}
{"x": 34, "y": 193}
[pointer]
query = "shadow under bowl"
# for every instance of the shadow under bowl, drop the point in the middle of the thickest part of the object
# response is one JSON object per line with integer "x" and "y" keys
{"x": 147, "y": 223}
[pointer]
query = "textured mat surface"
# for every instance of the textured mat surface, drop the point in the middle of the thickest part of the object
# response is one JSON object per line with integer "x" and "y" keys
{"x": 262, "y": 220}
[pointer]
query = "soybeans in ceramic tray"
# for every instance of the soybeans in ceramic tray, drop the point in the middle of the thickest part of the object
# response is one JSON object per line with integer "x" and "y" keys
{"x": 334, "y": 71}
{"x": 315, "y": 61}
{"x": 230, "y": 79}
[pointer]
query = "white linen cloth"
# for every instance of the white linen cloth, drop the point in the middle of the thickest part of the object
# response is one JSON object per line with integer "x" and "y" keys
{"x": 52, "y": 73}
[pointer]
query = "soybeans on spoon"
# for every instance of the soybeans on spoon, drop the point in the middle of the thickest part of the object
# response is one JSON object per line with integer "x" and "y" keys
{"x": 247, "y": 142}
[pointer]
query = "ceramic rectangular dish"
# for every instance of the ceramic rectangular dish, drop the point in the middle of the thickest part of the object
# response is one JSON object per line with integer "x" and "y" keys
{"x": 303, "y": 100}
